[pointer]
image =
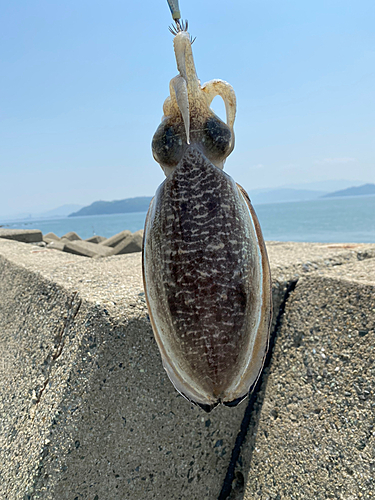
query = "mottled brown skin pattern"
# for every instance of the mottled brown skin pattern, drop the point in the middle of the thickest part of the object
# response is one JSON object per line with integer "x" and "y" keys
{"x": 205, "y": 269}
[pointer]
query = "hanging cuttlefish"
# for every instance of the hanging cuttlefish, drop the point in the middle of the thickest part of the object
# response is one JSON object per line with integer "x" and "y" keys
{"x": 205, "y": 267}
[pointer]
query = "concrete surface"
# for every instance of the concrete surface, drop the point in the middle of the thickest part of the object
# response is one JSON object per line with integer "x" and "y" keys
{"x": 24, "y": 235}
{"x": 132, "y": 243}
{"x": 47, "y": 238}
{"x": 87, "y": 411}
{"x": 313, "y": 437}
{"x": 71, "y": 236}
{"x": 86, "y": 249}
{"x": 57, "y": 245}
{"x": 96, "y": 246}
{"x": 116, "y": 238}
{"x": 96, "y": 239}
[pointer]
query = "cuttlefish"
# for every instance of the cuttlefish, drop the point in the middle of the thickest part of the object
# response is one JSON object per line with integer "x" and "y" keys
{"x": 205, "y": 267}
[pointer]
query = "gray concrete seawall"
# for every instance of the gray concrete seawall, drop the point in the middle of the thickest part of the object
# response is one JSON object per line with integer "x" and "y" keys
{"x": 87, "y": 411}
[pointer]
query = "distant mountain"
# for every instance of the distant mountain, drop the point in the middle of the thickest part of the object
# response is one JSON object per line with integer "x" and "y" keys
{"x": 139, "y": 204}
{"x": 259, "y": 197}
{"x": 366, "y": 189}
{"x": 62, "y": 211}
{"x": 327, "y": 186}
{"x": 15, "y": 217}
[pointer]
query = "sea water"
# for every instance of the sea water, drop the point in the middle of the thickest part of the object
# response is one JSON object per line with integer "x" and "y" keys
{"x": 334, "y": 220}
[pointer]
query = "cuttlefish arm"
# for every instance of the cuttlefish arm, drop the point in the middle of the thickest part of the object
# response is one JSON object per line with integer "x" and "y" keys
{"x": 221, "y": 88}
{"x": 188, "y": 116}
{"x": 178, "y": 89}
{"x": 205, "y": 266}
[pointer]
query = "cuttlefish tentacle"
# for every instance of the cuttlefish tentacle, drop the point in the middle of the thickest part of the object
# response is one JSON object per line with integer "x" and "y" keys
{"x": 205, "y": 265}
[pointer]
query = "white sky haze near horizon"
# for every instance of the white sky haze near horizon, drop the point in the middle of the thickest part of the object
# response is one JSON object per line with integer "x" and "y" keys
{"x": 83, "y": 83}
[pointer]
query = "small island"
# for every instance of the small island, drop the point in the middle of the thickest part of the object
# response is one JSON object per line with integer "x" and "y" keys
{"x": 365, "y": 189}
{"x": 138, "y": 204}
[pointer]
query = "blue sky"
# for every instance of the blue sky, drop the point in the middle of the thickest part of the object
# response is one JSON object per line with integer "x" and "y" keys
{"x": 83, "y": 83}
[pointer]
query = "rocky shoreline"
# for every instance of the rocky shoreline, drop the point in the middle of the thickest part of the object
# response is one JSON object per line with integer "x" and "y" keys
{"x": 94, "y": 247}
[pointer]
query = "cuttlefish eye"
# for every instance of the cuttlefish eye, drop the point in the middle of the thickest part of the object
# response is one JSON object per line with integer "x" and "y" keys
{"x": 167, "y": 145}
{"x": 217, "y": 138}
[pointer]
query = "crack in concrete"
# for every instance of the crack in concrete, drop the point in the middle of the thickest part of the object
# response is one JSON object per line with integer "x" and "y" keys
{"x": 73, "y": 307}
{"x": 72, "y": 311}
{"x": 256, "y": 398}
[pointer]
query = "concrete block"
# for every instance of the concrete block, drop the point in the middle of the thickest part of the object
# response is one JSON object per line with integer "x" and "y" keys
{"x": 23, "y": 235}
{"x": 86, "y": 249}
{"x": 96, "y": 239}
{"x": 71, "y": 236}
{"x": 133, "y": 243}
{"x": 312, "y": 436}
{"x": 116, "y": 239}
{"x": 87, "y": 409}
{"x": 50, "y": 237}
{"x": 57, "y": 245}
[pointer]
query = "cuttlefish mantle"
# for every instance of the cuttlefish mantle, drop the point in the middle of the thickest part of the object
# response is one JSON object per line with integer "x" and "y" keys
{"x": 188, "y": 118}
